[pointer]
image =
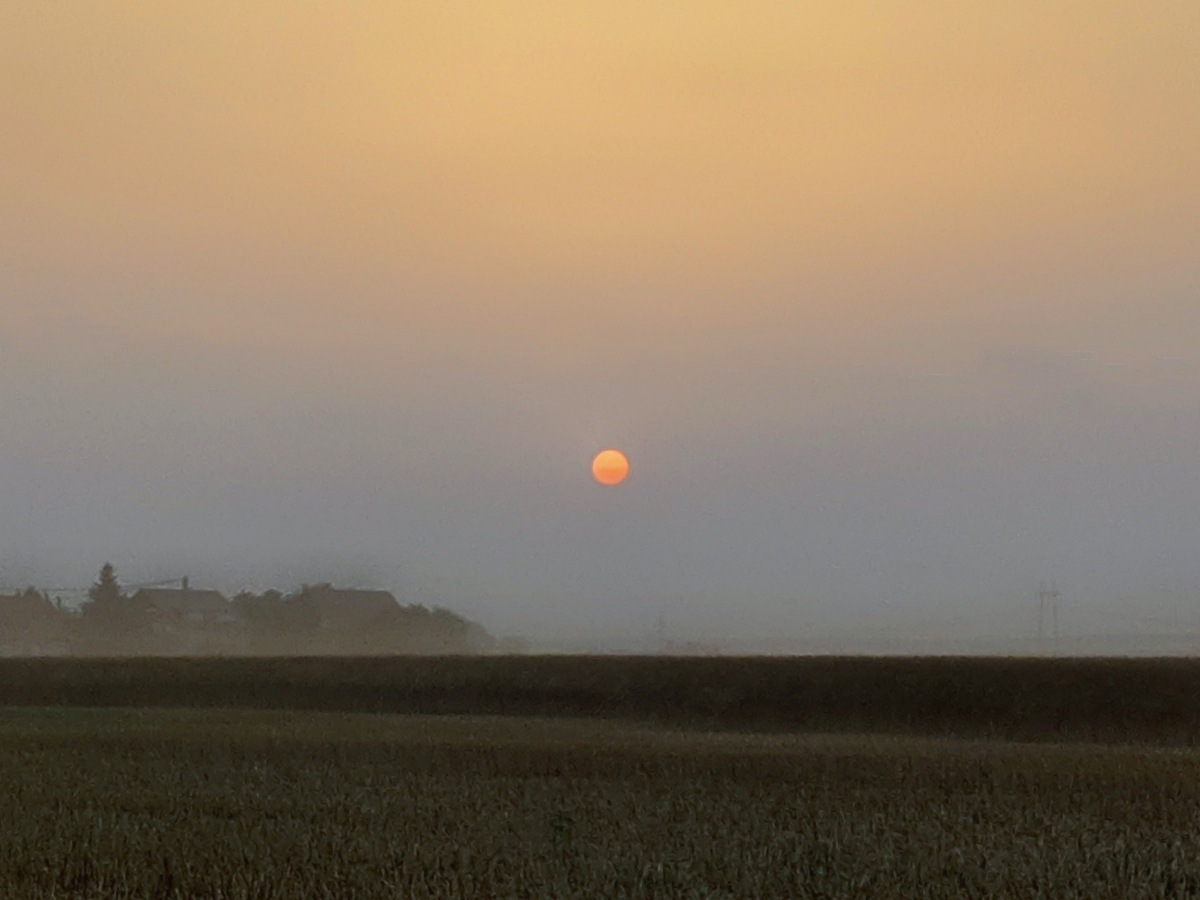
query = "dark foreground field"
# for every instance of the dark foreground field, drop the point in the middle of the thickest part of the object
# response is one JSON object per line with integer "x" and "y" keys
{"x": 574, "y": 777}
{"x": 250, "y": 804}
{"x": 1155, "y": 701}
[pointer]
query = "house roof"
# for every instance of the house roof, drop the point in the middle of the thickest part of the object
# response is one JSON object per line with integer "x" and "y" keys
{"x": 350, "y": 608}
{"x": 182, "y": 601}
{"x": 26, "y": 605}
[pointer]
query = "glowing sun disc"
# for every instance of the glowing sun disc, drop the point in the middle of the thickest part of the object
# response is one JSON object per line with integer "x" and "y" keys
{"x": 610, "y": 467}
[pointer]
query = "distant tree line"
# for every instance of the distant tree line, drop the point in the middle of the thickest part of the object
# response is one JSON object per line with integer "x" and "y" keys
{"x": 316, "y": 620}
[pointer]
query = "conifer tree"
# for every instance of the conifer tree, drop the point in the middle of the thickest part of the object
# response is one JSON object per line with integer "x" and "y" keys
{"x": 106, "y": 588}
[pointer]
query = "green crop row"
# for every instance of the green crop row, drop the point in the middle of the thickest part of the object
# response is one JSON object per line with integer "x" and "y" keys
{"x": 233, "y": 805}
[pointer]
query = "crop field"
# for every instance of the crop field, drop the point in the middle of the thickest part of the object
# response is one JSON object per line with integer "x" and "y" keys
{"x": 1116, "y": 701}
{"x": 223, "y": 803}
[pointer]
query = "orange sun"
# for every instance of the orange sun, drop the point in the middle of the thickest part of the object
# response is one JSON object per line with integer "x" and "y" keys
{"x": 610, "y": 467}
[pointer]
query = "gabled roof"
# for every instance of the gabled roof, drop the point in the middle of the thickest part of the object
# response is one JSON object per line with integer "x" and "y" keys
{"x": 350, "y": 608}
{"x": 182, "y": 601}
{"x": 26, "y": 605}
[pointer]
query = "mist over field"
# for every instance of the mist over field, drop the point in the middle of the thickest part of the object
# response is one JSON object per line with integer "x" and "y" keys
{"x": 627, "y": 449}
{"x": 896, "y": 313}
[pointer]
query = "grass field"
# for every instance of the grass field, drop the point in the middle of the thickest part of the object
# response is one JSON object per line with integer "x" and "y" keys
{"x": 211, "y": 803}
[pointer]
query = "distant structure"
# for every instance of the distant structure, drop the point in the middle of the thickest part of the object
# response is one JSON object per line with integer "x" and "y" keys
{"x": 174, "y": 619}
{"x": 188, "y": 621}
{"x": 31, "y": 625}
{"x": 324, "y": 619}
{"x": 1049, "y": 600}
{"x": 184, "y": 605}
{"x": 341, "y": 609}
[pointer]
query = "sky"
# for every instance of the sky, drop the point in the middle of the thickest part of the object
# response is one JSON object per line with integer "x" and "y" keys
{"x": 895, "y": 308}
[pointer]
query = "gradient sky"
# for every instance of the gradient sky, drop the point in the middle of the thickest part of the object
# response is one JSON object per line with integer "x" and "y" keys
{"x": 894, "y": 307}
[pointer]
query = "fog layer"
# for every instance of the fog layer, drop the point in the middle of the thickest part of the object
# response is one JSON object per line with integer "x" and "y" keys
{"x": 896, "y": 313}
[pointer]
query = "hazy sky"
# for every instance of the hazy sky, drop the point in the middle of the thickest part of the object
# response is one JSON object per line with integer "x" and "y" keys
{"x": 895, "y": 307}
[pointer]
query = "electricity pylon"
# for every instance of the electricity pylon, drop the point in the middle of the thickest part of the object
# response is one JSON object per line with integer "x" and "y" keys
{"x": 1048, "y": 605}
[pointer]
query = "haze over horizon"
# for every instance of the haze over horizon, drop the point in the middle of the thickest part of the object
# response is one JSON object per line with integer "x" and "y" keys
{"x": 894, "y": 309}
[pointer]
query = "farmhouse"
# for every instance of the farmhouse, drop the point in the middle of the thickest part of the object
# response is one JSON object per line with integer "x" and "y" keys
{"x": 184, "y": 607}
{"x": 187, "y": 621}
{"x": 340, "y": 609}
{"x": 30, "y": 625}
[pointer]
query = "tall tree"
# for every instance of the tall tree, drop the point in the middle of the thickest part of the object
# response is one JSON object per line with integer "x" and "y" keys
{"x": 106, "y": 587}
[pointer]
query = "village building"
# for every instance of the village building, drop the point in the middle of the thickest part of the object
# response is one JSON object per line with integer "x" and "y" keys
{"x": 369, "y": 622}
{"x": 186, "y": 620}
{"x": 341, "y": 609}
{"x": 185, "y": 606}
{"x": 31, "y": 625}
